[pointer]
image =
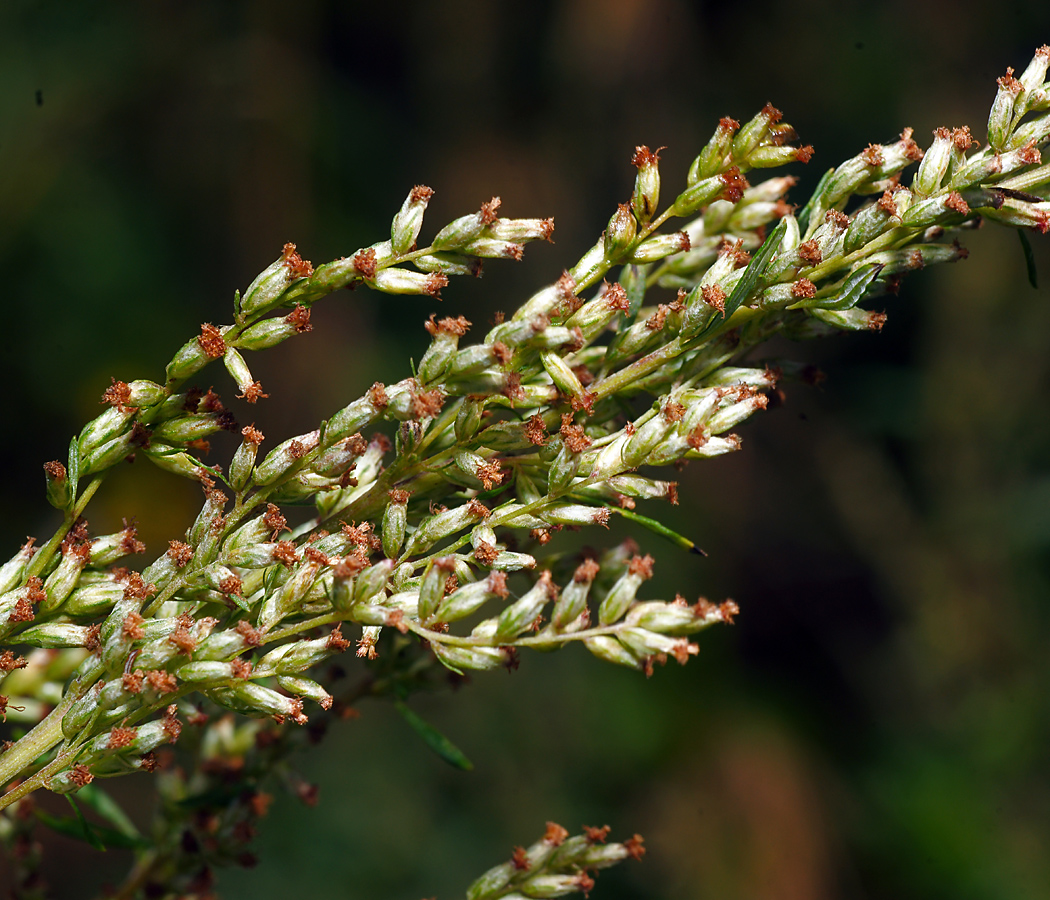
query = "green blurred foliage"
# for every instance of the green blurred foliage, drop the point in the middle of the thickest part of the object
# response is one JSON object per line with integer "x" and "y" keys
{"x": 876, "y": 724}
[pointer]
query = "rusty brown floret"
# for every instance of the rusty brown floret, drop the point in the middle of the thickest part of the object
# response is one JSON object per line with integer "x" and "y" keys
{"x": 211, "y": 341}
{"x": 117, "y": 395}
{"x": 297, "y": 266}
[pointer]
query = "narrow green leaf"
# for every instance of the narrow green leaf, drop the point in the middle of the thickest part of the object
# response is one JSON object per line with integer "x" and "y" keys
{"x": 745, "y": 287}
{"x": 659, "y": 528}
{"x": 1029, "y": 259}
{"x": 853, "y": 288}
{"x": 73, "y": 469}
{"x": 434, "y": 739}
{"x": 108, "y": 808}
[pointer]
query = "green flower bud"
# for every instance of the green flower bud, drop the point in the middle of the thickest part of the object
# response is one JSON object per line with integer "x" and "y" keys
{"x": 622, "y": 594}
{"x": 934, "y": 164}
{"x": 12, "y": 571}
{"x": 1001, "y": 117}
{"x": 573, "y": 600}
{"x": 754, "y": 132}
{"x": 619, "y": 233}
{"x": 713, "y": 157}
{"x": 59, "y": 489}
{"x": 520, "y": 615}
{"x": 445, "y": 341}
{"x": 659, "y": 247}
{"x": 611, "y": 650}
{"x": 448, "y": 264}
{"x": 103, "y": 429}
{"x": 476, "y": 658}
{"x": 646, "y": 196}
{"x": 405, "y": 228}
{"x": 52, "y": 635}
{"x": 286, "y": 457}
{"x": 304, "y": 687}
{"x": 395, "y": 517}
{"x": 471, "y": 597}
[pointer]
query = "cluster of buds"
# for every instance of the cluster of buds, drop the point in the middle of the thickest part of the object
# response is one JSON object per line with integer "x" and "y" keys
{"x": 556, "y": 865}
{"x": 434, "y": 498}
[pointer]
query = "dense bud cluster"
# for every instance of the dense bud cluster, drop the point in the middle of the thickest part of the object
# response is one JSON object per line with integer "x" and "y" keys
{"x": 434, "y": 499}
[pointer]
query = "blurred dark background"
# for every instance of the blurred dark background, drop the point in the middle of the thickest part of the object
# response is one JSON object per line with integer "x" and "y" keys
{"x": 876, "y": 724}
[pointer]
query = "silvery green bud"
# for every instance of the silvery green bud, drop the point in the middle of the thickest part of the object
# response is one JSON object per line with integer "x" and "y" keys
{"x": 304, "y": 687}
{"x": 439, "y": 526}
{"x": 520, "y": 615}
{"x": 562, "y": 470}
{"x": 659, "y": 247}
{"x": 405, "y": 281}
{"x": 58, "y": 487}
{"x": 934, "y": 164}
{"x": 478, "y": 658}
{"x": 252, "y": 697}
{"x": 143, "y": 394}
{"x": 405, "y": 228}
{"x": 466, "y": 228}
{"x": 104, "y": 428}
{"x": 192, "y": 427}
{"x": 548, "y": 300}
{"x": 285, "y": 457}
{"x": 445, "y": 341}
{"x": 244, "y": 458}
{"x": 267, "y": 287}
{"x": 575, "y": 514}
{"x": 470, "y": 597}
{"x": 11, "y": 572}
{"x": 1028, "y": 137}
{"x": 622, "y": 594}
{"x": 448, "y": 264}
{"x": 211, "y": 510}
{"x": 849, "y": 176}
{"x": 699, "y": 194}
{"x": 351, "y": 419}
{"x": 564, "y": 378}
{"x": 646, "y": 194}
{"x": 712, "y": 158}
{"x": 648, "y": 643}
{"x": 611, "y": 650}
{"x": 1032, "y": 78}
{"x": 60, "y": 583}
{"x": 395, "y": 517}
{"x": 178, "y": 462}
{"x": 644, "y": 440}
{"x": 93, "y": 599}
{"x": 1002, "y": 113}
{"x": 855, "y": 319}
{"x": 735, "y": 413}
{"x": 599, "y": 313}
{"x": 52, "y": 635}
{"x": 206, "y": 671}
{"x": 468, "y": 419}
{"x": 522, "y": 231}
{"x": 619, "y": 233}
{"x": 432, "y": 588}
{"x": 491, "y": 884}
{"x": 106, "y": 550}
{"x": 267, "y": 333}
{"x": 1022, "y": 215}
{"x": 873, "y": 220}
{"x": 372, "y": 581}
{"x": 573, "y": 600}
{"x": 665, "y": 618}
{"x": 754, "y": 132}
{"x": 187, "y": 362}
{"x": 771, "y": 156}
{"x": 491, "y": 248}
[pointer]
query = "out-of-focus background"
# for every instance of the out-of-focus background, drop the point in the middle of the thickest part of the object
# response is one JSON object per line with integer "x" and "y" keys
{"x": 876, "y": 725}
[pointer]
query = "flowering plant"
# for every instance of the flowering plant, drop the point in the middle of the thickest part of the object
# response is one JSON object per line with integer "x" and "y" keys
{"x": 434, "y": 503}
